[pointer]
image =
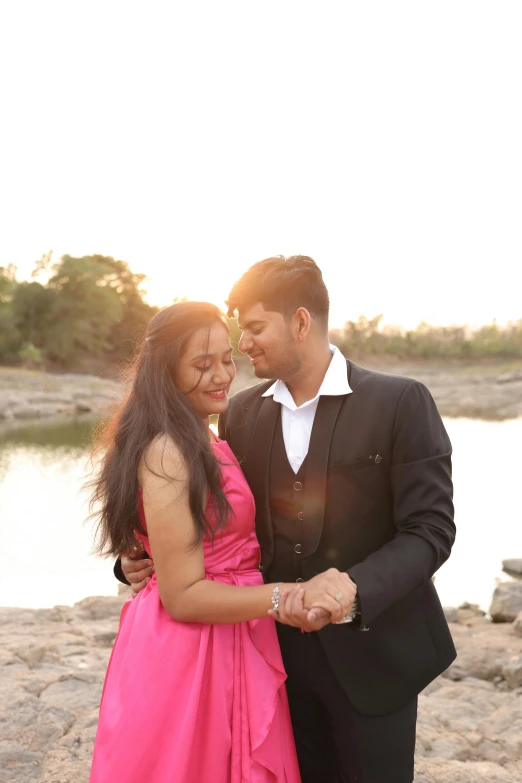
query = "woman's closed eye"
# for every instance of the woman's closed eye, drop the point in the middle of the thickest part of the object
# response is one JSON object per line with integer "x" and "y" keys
{"x": 209, "y": 366}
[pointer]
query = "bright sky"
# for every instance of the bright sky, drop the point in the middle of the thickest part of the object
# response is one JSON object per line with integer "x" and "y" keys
{"x": 192, "y": 139}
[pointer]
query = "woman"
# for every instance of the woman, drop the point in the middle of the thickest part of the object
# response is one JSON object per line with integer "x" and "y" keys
{"x": 194, "y": 691}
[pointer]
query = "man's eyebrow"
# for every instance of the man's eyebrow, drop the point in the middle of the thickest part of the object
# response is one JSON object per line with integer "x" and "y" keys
{"x": 251, "y": 324}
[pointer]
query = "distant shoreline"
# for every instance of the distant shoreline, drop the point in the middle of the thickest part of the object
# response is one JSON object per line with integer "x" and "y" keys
{"x": 487, "y": 390}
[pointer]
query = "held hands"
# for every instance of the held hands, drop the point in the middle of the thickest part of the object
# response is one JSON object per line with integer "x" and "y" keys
{"x": 138, "y": 572}
{"x": 331, "y": 584}
{"x": 325, "y": 598}
{"x": 292, "y": 612}
{"x": 309, "y": 607}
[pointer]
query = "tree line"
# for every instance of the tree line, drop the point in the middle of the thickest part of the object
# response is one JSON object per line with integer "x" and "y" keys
{"x": 367, "y": 337}
{"x": 75, "y": 312}
{"x": 89, "y": 308}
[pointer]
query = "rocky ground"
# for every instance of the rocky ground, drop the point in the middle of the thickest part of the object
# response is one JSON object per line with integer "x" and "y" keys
{"x": 53, "y": 661}
{"x": 482, "y": 391}
{"x": 28, "y": 395}
{"x": 476, "y": 391}
{"x": 485, "y": 391}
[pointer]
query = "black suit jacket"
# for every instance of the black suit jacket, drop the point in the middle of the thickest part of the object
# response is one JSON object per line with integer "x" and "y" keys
{"x": 379, "y": 506}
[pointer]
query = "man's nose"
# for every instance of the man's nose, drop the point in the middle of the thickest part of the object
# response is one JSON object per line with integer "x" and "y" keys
{"x": 245, "y": 343}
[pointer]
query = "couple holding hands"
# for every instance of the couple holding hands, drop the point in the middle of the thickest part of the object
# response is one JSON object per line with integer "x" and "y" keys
{"x": 284, "y": 619}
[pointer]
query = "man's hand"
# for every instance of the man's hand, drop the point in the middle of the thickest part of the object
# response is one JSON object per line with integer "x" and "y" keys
{"x": 292, "y": 612}
{"x": 137, "y": 571}
{"x": 334, "y": 584}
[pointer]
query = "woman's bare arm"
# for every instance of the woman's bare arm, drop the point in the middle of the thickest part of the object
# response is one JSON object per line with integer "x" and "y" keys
{"x": 185, "y": 593}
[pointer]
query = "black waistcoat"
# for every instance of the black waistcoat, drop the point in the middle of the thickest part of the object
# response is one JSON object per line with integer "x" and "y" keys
{"x": 286, "y": 493}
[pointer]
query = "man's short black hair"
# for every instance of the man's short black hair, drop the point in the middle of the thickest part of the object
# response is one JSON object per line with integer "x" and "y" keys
{"x": 282, "y": 285}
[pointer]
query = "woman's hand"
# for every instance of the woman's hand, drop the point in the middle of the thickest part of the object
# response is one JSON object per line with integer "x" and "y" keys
{"x": 292, "y": 612}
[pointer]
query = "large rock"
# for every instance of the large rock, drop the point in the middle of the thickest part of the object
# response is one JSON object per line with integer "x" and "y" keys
{"x": 512, "y": 672}
{"x": 98, "y": 607}
{"x": 33, "y": 723}
{"x": 501, "y": 732}
{"x": 466, "y": 614}
{"x": 83, "y": 407}
{"x": 436, "y": 771}
{"x": 483, "y": 649}
{"x": 34, "y": 654}
{"x": 471, "y": 723}
{"x": 40, "y": 395}
{"x": 26, "y": 412}
{"x": 507, "y": 602}
{"x": 76, "y": 693}
{"x": 69, "y": 760}
{"x": 513, "y": 567}
{"x": 451, "y": 614}
{"x": 18, "y": 765}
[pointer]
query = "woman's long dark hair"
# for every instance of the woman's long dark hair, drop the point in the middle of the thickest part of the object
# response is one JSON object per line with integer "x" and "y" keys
{"x": 154, "y": 406}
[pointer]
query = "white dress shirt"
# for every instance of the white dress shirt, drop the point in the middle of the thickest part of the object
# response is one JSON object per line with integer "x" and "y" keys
{"x": 297, "y": 422}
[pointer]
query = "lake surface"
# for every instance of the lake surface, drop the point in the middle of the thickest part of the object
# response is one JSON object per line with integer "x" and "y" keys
{"x": 47, "y": 544}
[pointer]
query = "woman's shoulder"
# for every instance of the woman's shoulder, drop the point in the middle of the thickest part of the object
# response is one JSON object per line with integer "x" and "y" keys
{"x": 163, "y": 457}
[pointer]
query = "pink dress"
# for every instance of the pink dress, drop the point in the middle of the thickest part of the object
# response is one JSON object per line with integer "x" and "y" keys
{"x": 194, "y": 703}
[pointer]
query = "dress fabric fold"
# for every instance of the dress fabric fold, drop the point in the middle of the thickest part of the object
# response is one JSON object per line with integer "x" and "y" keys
{"x": 196, "y": 703}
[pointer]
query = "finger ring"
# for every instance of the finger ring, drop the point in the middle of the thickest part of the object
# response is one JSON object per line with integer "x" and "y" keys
{"x": 338, "y": 596}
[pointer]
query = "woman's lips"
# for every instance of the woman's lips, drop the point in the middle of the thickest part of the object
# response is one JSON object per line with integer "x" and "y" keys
{"x": 220, "y": 394}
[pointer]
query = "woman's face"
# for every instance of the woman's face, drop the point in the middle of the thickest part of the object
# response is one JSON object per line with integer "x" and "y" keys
{"x": 206, "y": 370}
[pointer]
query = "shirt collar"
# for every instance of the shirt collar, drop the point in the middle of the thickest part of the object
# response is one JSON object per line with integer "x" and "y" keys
{"x": 335, "y": 383}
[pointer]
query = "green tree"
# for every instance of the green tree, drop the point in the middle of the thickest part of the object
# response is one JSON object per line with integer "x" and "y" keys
{"x": 43, "y": 266}
{"x": 7, "y": 283}
{"x": 86, "y": 307}
{"x": 136, "y": 312}
{"x": 359, "y": 338}
{"x": 9, "y": 337}
{"x": 32, "y": 306}
{"x": 31, "y": 356}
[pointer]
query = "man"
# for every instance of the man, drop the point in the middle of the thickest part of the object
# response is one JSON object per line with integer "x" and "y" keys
{"x": 351, "y": 474}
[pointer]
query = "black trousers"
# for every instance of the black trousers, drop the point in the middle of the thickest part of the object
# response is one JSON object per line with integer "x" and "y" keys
{"x": 335, "y": 743}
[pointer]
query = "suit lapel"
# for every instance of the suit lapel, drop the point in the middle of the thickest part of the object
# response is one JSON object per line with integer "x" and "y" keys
{"x": 257, "y": 470}
{"x": 317, "y": 471}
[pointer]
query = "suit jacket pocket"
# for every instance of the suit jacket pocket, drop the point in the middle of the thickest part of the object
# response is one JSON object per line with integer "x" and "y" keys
{"x": 360, "y": 463}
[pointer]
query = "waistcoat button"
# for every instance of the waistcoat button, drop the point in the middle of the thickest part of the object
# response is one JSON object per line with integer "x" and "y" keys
{"x": 298, "y": 486}
{"x": 297, "y": 549}
{"x": 300, "y": 515}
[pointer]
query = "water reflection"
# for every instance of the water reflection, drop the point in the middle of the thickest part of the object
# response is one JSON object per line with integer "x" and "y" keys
{"x": 43, "y": 466}
{"x": 73, "y": 435}
{"x": 42, "y": 469}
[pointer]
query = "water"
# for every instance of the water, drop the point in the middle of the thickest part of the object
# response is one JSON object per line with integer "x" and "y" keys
{"x": 47, "y": 544}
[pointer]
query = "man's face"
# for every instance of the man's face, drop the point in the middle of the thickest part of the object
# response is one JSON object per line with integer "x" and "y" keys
{"x": 267, "y": 339}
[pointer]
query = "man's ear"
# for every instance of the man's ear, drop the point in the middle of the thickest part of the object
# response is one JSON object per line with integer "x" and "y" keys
{"x": 303, "y": 322}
